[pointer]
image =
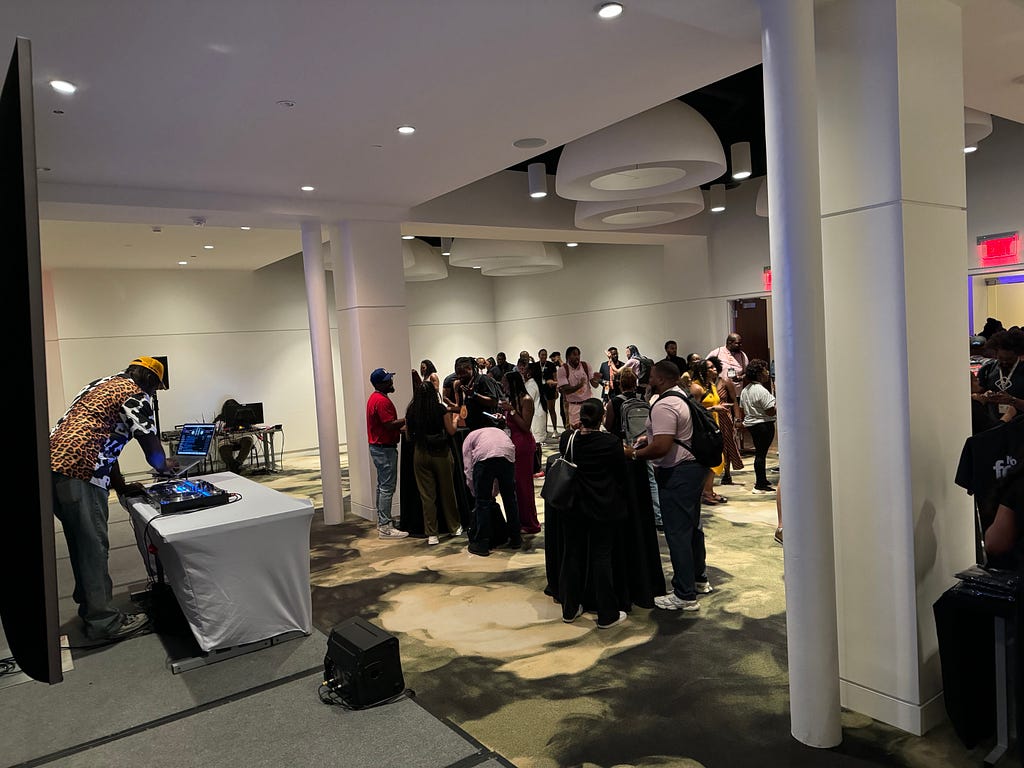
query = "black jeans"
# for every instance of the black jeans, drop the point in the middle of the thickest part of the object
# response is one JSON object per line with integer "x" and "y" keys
{"x": 484, "y": 474}
{"x": 762, "y": 434}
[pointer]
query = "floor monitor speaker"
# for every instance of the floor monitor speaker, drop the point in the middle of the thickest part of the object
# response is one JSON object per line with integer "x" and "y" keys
{"x": 362, "y": 663}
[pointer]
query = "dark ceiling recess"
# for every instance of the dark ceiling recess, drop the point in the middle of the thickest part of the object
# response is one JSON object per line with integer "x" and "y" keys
{"x": 735, "y": 108}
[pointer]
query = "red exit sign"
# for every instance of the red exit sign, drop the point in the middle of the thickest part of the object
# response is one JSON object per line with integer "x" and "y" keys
{"x": 999, "y": 250}
{"x": 766, "y": 278}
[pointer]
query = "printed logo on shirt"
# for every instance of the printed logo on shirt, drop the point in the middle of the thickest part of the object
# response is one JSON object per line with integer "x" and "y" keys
{"x": 1002, "y": 468}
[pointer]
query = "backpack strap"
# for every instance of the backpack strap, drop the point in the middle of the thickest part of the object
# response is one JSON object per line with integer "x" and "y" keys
{"x": 690, "y": 405}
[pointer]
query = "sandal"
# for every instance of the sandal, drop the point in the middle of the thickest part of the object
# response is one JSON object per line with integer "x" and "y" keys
{"x": 719, "y": 498}
{"x": 705, "y": 499}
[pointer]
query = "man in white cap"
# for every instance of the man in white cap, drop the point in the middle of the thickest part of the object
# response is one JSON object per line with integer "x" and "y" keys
{"x": 84, "y": 449}
{"x": 384, "y": 430}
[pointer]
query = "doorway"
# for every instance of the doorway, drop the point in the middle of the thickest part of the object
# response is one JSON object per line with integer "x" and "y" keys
{"x": 750, "y": 321}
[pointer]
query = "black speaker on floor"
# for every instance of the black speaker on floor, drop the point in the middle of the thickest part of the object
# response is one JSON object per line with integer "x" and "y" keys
{"x": 362, "y": 664}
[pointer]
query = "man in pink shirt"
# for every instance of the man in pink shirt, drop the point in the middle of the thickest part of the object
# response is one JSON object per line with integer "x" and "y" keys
{"x": 734, "y": 359}
{"x": 575, "y": 379}
{"x": 489, "y": 456}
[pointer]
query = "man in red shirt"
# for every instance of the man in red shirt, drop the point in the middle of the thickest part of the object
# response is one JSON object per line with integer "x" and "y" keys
{"x": 383, "y": 428}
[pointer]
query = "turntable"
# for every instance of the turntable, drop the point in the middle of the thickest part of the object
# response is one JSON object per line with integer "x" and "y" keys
{"x": 182, "y": 495}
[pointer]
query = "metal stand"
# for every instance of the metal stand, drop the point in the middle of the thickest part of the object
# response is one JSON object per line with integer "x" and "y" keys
{"x": 1005, "y": 703}
{"x": 212, "y": 657}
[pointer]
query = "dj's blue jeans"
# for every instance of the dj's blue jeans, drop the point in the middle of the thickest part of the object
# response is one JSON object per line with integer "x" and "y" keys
{"x": 385, "y": 459}
{"x": 82, "y": 510}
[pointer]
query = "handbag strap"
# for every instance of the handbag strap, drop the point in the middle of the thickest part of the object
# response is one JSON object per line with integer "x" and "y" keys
{"x": 568, "y": 447}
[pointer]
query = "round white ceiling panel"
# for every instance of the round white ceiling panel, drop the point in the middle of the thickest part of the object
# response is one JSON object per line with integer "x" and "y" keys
{"x": 426, "y": 265}
{"x": 660, "y": 151}
{"x": 636, "y": 214}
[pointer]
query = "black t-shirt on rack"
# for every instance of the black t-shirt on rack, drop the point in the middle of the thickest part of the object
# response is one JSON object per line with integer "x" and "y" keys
{"x": 986, "y": 458}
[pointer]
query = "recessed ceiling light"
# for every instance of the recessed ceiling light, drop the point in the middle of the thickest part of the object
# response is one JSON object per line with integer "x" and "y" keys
{"x": 183, "y": 263}
{"x": 63, "y": 86}
{"x": 43, "y": 169}
{"x": 406, "y": 129}
{"x": 58, "y": 111}
{"x": 408, "y": 237}
{"x": 286, "y": 103}
{"x": 307, "y": 188}
{"x": 571, "y": 245}
{"x": 610, "y": 10}
{"x": 477, "y": 266}
{"x": 972, "y": 148}
{"x": 718, "y": 209}
{"x": 208, "y": 247}
{"x": 245, "y": 229}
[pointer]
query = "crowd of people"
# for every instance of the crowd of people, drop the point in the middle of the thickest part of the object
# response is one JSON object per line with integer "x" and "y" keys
{"x": 476, "y": 436}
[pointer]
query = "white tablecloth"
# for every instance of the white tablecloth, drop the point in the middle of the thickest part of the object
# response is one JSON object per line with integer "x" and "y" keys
{"x": 240, "y": 571}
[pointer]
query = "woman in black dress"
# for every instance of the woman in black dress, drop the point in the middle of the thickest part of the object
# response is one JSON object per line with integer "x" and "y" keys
{"x": 589, "y": 527}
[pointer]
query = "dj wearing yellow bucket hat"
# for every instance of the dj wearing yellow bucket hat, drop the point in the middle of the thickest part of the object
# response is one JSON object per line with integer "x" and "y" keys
{"x": 85, "y": 446}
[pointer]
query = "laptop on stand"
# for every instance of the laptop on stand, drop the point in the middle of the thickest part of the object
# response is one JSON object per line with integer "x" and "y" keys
{"x": 194, "y": 445}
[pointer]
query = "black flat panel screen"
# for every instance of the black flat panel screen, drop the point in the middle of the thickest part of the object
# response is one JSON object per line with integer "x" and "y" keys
{"x": 28, "y": 562}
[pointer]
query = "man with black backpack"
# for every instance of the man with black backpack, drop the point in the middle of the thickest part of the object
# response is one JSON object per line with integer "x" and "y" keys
{"x": 674, "y": 440}
{"x": 626, "y": 416}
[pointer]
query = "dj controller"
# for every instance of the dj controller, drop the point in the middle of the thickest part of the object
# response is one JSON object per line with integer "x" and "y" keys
{"x": 182, "y": 495}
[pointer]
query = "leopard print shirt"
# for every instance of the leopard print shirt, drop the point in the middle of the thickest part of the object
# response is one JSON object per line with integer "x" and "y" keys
{"x": 97, "y": 425}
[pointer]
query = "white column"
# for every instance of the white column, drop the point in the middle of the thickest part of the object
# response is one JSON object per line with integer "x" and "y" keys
{"x": 373, "y": 332}
{"x": 799, "y": 340}
{"x": 323, "y": 371}
{"x": 890, "y": 95}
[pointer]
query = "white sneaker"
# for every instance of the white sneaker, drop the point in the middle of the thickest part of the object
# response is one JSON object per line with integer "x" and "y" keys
{"x": 703, "y": 588}
{"x": 619, "y": 620}
{"x": 390, "y": 532}
{"x": 670, "y": 602}
{"x": 433, "y": 540}
{"x": 458, "y": 531}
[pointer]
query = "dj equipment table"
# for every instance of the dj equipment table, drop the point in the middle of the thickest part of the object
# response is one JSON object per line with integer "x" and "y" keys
{"x": 239, "y": 571}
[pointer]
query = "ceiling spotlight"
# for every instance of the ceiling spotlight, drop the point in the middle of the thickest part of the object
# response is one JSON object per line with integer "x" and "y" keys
{"x": 307, "y": 188}
{"x": 739, "y": 155}
{"x": 408, "y": 237}
{"x": 183, "y": 263}
{"x": 972, "y": 148}
{"x": 538, "y": 179}
{"x": 208, "y": 247}
{"x": 405, "y": 130}
{"x": 717, "y": 198}
{"x": 446, "y": 246}
{"x": 63, "y": 86}
{"x": 571, "y": 245}
{"x": 610, "y": 10}
{"x": 245, "y": 229}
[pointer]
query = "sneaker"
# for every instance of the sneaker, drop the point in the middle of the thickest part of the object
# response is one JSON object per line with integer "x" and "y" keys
{"x": 130, "y": 624}
{"x": 703, "y": 588}
{"x": 390, "y": 532}
{"x": 670, "y": 602}
{"x": 579, "y": 612}
{"x": 458, "y": 531}
{"x": 433, "y": 540}
{"x": 778, "y": 535}
{"x": 619, "y": 620}
{"x": 538, "y": 475}
{"x": 769, "y": 489}
{"x": 478, "y": 550}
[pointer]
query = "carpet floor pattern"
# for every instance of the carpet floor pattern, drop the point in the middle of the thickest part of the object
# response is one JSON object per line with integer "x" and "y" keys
{"x": 483, "y": 646}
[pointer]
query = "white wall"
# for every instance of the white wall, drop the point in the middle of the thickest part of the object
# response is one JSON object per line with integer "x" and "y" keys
{"x": 451, "y": 318}
{"x": 226, "y": 334}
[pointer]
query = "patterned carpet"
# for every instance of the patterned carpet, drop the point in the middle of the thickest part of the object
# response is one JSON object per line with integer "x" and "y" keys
{"x": 484, "y": 647}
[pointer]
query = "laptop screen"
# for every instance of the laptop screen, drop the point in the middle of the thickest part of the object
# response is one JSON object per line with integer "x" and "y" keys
{"x": 196, "y": 439}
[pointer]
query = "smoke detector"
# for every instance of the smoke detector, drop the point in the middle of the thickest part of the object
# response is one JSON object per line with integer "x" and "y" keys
{"x": 198, "y": 221}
